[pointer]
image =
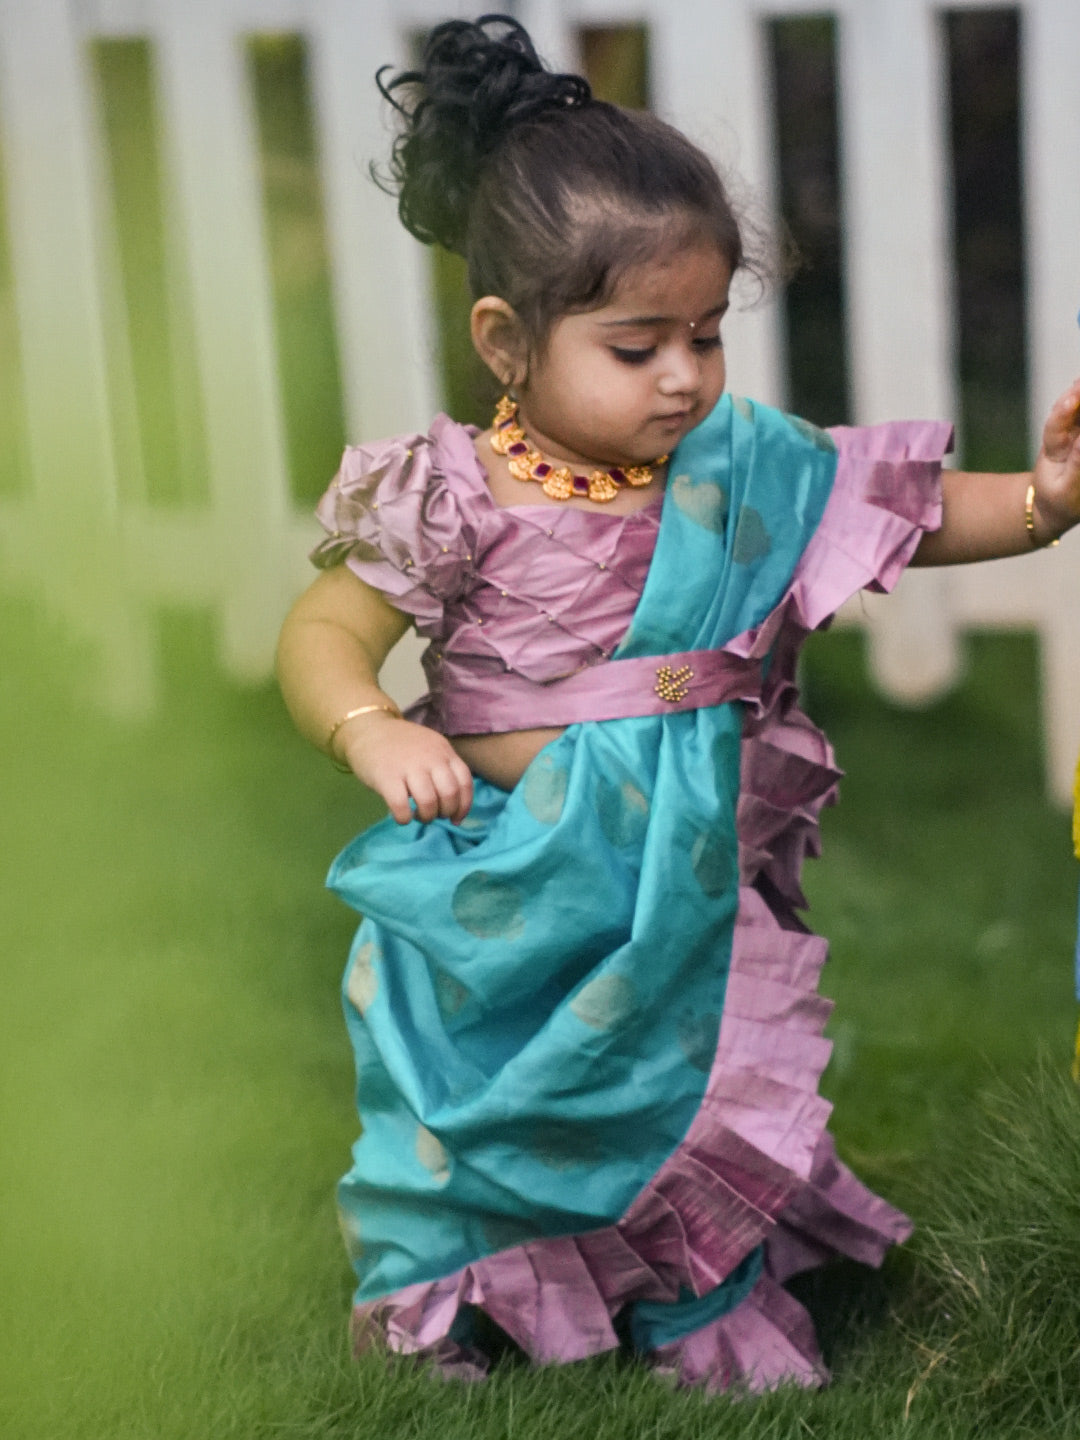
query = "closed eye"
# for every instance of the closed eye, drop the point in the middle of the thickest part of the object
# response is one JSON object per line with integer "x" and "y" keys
{"x": 703, "y": 344}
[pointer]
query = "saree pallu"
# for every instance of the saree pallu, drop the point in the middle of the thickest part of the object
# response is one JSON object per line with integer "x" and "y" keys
{"x": 585, "y": 1021}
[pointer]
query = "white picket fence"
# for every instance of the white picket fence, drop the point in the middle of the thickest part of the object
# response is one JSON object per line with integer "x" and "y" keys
{"x": 106, "y": 563}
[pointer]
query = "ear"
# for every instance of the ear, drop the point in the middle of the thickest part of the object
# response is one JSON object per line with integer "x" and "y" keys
{"x": 500, "y": 340}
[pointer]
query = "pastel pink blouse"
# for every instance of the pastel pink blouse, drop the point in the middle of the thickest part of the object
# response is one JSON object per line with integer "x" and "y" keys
{"x": 514, "y": 598}
{"x": 541, "y": 591}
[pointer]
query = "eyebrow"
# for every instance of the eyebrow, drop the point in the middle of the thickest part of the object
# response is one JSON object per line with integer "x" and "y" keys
{"x": 717, "y": 310}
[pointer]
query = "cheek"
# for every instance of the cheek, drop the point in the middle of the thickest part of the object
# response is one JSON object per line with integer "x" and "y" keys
{"x": 719, "y": 375}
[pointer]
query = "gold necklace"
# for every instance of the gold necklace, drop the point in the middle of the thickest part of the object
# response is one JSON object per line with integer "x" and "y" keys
{"x": 525, "y": 462}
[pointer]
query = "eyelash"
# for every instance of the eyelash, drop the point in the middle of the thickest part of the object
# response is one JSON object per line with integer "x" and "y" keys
{"x": 638, "y": 357}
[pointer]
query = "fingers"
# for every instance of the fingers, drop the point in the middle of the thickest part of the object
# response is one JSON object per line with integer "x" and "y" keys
{"x": 464, "y": 782}
{"x": 1062, "y": 429}
{"x": 443, "y": 790}
{"x": 1064, "y": 408}
{"x": 1066, "y": 403}
{"x": 1064, "y": 415}
{"x": 396, "y": 795}
{"x": 424, "y": 794}
{"x": 418, "y": 774}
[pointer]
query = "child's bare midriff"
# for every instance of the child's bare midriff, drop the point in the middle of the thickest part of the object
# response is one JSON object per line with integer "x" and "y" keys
{"x": 503, "y": 759}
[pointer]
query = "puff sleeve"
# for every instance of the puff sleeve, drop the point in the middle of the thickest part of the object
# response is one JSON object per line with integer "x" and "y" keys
{"x": 392, "y": 517}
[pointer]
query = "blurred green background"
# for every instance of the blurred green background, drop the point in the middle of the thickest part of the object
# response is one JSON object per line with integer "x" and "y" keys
{"x": 176, "y": 1099}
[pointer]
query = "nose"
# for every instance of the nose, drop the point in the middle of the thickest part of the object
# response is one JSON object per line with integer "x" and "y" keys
{"x": 681, "y": 373}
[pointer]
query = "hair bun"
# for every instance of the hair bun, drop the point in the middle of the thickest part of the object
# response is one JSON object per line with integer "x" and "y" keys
{"x": 478, "y": 81}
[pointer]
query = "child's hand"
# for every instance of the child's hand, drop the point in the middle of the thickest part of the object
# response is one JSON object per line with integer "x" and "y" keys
{"x": 400, "y": 760}
{"x": 1057, "y": 470}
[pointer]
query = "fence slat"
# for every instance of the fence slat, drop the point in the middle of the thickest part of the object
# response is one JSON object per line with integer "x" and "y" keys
{"x": 897, "y": 247}
{"x": 709, "y": 80}
{"x": 68, "y": 522}
{"x": 552, "y": 30}
{"x": 381, "y": 276}
{"x": 210, "y": 138}
{"x": 1050, "y": 47}
{"x": 892, "y": 141}
{"x": 1043, "y": 593}
{"x": 48, "y": 150}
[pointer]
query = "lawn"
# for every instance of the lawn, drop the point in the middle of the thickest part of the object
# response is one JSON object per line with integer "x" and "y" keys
{"x": 176, "y": 1103}
{"x": 176, "y": 1090}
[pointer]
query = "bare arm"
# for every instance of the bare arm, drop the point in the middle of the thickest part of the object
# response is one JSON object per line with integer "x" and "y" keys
{"x": 984, "y": 514}
{"x": 332, "y": 646}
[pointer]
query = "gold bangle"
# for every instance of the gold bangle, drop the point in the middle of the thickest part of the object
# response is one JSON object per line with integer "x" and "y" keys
{"x": 352, "y": 715}
{"x": 1029, "y": 522}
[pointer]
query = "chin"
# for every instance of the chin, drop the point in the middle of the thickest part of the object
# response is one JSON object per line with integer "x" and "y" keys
{"x": 670, "y": 436}
{"x": 679, "y": 424}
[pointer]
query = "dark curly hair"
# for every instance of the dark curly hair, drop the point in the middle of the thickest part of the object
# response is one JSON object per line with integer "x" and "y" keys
{"x": 548, "y": 193}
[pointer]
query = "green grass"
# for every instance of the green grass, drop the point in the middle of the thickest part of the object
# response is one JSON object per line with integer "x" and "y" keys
{"x": 175, "y": 1097}
{"x": 175, "y": 1102}
{"x": 177, "y": 1087}
{"x": 948, "y": 893}
{"x": 1001, "y": 1260}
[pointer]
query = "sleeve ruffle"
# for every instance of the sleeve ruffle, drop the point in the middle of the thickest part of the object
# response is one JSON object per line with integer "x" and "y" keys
{"x": 391, "y": 516}
{"x": 885, "y": 497}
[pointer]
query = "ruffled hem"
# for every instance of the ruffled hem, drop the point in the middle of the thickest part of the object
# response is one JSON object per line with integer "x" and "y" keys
{"x": 766, "y": 1341}
{"x": 756, "y": 1166}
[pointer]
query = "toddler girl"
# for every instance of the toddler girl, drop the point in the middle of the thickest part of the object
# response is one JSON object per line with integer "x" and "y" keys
{"x": 584, "y": 1008}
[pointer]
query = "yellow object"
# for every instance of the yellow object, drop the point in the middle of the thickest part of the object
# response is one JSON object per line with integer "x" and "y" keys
{"x": 673, "y": 685}
{"x": 351, "y": 715}
{"x": 1076, "y": 848}
{"x": 1029, "y": 522}
{"x": 559, "y": 482}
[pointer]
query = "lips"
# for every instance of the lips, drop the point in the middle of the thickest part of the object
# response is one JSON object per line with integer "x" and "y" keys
{"x": 673, "y": 421}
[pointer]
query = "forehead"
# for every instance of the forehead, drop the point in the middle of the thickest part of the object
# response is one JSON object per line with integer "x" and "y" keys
{"x": 681, "y": 284}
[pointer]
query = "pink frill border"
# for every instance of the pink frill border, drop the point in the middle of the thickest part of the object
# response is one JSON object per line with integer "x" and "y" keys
{"x": 756, "y": 1166}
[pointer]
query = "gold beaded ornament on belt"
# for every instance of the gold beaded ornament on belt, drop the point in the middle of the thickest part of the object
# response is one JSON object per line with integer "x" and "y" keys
{"x": 560, "y": 482}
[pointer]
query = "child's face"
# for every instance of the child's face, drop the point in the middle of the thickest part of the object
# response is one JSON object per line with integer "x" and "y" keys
{"x": 622, "y": 384}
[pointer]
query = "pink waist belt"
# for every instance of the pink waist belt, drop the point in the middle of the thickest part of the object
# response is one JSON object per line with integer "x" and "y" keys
{"x": 614, "y": 690}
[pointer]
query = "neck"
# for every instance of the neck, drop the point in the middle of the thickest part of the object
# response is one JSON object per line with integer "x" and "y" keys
{"x": 559, "y": 454}
{"x": 560, "y": 477}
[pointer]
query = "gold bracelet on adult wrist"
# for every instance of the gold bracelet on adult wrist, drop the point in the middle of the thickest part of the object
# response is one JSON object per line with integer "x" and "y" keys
{"x": 1029, "y": 522}
{"x": 392, "y": 709}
